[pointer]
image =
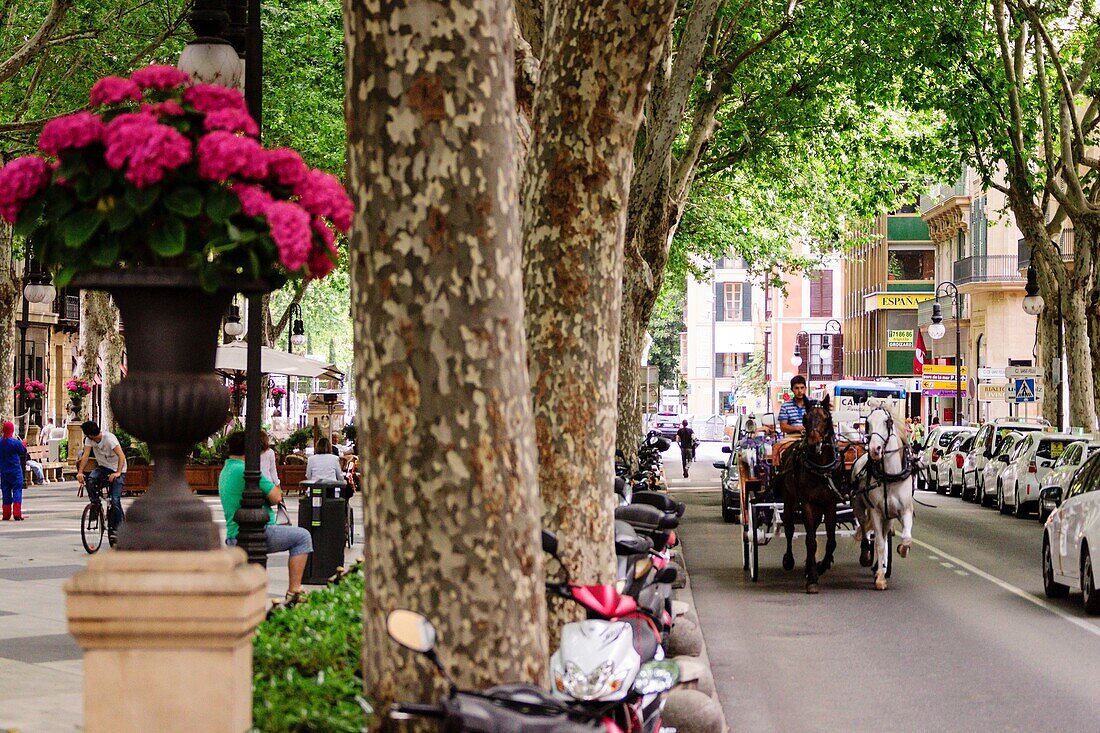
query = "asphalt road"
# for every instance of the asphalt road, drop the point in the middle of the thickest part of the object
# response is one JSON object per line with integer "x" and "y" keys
{"x": 964, "y": 639}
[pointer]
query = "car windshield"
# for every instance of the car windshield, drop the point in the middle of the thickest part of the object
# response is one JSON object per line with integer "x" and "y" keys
{"x": 947, "y": 437}
{"x": 1002, "y": 432}
{"x": 1007, "y": 443}
{"x": 1053, "y": 447}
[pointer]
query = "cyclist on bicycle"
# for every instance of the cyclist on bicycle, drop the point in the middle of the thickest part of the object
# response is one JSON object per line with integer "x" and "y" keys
{"x": 111, "y": 466}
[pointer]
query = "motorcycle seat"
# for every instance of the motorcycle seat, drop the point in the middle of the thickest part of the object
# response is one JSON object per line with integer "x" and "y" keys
{"x": 646, "y": 640}
{"x": 664, "y": 502}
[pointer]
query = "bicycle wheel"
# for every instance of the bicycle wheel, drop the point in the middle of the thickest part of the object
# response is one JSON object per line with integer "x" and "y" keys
{"x": 92, "y": 527}
{"x": 349, "y": 527}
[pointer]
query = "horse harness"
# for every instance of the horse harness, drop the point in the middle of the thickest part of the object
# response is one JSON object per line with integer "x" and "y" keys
{"x": 875, "y": 470}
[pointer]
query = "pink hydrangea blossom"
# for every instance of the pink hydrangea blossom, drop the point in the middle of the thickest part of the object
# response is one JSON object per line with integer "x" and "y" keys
{"x": 208, "y": 98}
{"x": 167, "y": 108}
{"x": 160, "y": 76}
{"x": 231, "y": 119}
{"x": 322, "y": 194}
{"x": 254, "y": 199}
{"x": 112, "y": 90}
{"x": 290, "y": 229}
{"x": 223, "y": 154}
{"x": 322, "y": 259}
{"x": 149, "y": 148}
{"x": 286, "y": 166}
{"x": 21, "y": 180}
{"x": 71, "y": 131}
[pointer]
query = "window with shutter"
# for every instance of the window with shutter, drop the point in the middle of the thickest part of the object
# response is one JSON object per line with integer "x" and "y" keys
{"x": 719, "y": 301}
{"x": 746, "y": 303}
{"x": 821, "y": 294}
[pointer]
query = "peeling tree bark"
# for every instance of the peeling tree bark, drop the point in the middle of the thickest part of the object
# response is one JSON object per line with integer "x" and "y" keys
{"x": 96, "y": 322}
{"x": 596, "y": 69}
{"x": 114, "y": 344}
{"x": 9, "y": 300}
{"x": 450, "y": 499}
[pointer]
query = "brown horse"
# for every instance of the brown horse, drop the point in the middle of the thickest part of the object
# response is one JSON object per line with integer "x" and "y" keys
{"x": 808, "y": 481}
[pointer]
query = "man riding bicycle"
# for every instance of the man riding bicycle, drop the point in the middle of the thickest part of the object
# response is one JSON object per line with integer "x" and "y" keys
{"x": 111, "y": 466}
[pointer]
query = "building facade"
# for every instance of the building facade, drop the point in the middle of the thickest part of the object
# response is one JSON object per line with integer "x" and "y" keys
{"x": 886, "y": 277}
{"x": 806, "y": 312}
{"x": 977, "y": 248}
{"x": 722, "y": 318}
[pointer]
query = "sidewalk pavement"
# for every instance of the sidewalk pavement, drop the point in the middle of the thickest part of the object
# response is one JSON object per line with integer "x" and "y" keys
{"x": 41, "y": 668}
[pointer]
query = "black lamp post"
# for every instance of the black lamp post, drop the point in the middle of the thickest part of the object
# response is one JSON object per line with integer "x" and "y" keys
{"x": 37, "y": 288}
{"x": 297, "y": 332}
{"x": 937, "y": 330}
{"x": 796, "y": 358}
{"x": 832, "y": 326}
{"x": 1033, "y": 305}
{"x": 216, "y": 24}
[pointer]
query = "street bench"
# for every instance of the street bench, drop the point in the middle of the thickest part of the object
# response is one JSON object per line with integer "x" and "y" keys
{"x": 52, "y": 470}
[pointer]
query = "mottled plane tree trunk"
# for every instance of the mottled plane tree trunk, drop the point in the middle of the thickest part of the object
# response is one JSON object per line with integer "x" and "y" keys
{"x": 598, "y": 60}
{"x": 9, "y": 300}
{"x": 450, "y": 496}
{"x": 114, "y": 345}
{"x": 98, "y": 317}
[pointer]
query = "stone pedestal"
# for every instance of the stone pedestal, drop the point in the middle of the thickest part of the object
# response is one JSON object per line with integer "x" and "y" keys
{"x": 76, "y": 442}
{"x": 167, "y": 639}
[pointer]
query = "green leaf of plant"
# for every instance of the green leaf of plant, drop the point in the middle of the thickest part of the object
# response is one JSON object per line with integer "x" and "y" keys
{"x": 106, "y": 254}
{"x": 142, "y": 198}
{"x": 120, "y": 217}
{"x": 185, "y": 201}
{"x": 169, "y": 239}
{"x": 30, "y": 217}
{"x": 58, "y": 203}
{"x": 79, "y": 226}
{"x": 221, "y": 203}
{"x": 64, "y": 276}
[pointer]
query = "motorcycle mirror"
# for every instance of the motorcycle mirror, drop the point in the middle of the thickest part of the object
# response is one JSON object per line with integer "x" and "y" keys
{"x": 411, "y": 630}
{"x": 657, "y": 677}
{"x": 720, "y": 465}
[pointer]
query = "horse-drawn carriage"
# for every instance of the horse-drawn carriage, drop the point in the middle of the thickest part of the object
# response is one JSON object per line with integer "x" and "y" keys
{"x": 809, "y": 480}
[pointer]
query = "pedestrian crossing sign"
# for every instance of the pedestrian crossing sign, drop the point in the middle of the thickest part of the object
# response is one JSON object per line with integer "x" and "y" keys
{"x": 1026, "y": 389}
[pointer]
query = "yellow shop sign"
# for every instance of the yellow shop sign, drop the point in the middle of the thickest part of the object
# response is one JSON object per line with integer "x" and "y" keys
{"x": 896, "y": 301}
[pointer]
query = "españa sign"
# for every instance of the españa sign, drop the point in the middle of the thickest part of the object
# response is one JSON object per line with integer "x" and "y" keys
{"x": 899, "y": 339}
{"x": 895, "y": 301}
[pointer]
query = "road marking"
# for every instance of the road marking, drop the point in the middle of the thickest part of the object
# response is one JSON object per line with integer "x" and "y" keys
{"x": 933, "y": 557}
{"x": 947, "y": 564}
{"x": 1005, "y": 585}
{"x": 961, "y": 572}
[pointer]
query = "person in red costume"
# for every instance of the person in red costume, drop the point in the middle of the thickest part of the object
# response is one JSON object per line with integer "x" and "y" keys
{"x": 13, "y": 456}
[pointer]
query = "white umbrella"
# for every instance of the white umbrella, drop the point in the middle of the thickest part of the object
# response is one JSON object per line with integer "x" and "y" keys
{"x": 234, "y": 358}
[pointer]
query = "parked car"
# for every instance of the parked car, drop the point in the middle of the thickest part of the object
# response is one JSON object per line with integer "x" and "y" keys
{"x": 1018, "y": 489}
{"x": 988, "y": 443}
{"x": 992, "y": 471}
{"x": 937, "y": 442}
{"x": 950, "y": 465}
{"x": 1071, "y": 535}
{"x": 1063, "y": 469}
{"x": 667, "y": 423}
{"x": 731, "y": 485}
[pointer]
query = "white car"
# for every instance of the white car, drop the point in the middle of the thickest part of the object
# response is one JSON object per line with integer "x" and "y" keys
{"x": 949, "y": 467}
{"x": 1018, "y": 484}
{"x": 1063, "y": 469}
{"x": 986, "y": 445}
{"x": 987, "y": 479}
{"x": 1071, "y": 535}
{"x": 933, "y": 448}
{"x": 667, "y": 423}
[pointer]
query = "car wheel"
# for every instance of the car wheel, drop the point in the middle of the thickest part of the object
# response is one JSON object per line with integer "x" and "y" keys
{"x": 1088, "y": 584}
{"x": 1019, "y": 510}
{"x": 1001, "y": 506}
{"x": 1051, "y": 588}
{"x": 730, "y": 513}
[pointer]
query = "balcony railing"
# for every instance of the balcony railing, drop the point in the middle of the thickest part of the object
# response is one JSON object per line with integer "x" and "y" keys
{"x": 1064, "y": 243}
{"x": 67, "y": 307}
{"x": 987, "y": 269}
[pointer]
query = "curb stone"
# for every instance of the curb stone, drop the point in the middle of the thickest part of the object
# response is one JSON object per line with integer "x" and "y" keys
{"x": 684, "y": 594}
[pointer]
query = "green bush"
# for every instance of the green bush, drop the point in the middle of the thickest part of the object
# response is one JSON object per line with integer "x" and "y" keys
{"x": 299, "y": 439}
{"x": 307, "y": 676}
{"x": 63, "y": 450}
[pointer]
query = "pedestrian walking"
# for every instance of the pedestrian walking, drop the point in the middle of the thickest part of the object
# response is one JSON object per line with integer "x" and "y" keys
{"x": 13, "y": 456}
{"x": 685, "y": 436}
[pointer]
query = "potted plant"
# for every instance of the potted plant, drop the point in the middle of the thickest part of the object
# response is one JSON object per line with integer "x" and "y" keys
{"x": 78, "y": 389}
{"x": 277, "y": 394}
{"x": 32, "y": 390}
{"x": 161, "y": 195}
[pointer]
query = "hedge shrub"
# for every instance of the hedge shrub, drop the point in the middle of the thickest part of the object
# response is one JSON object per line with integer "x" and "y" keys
{"x": 307, "y": 676}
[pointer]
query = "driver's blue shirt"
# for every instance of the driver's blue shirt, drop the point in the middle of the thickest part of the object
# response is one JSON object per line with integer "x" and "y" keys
{"x": 792, "y": 413}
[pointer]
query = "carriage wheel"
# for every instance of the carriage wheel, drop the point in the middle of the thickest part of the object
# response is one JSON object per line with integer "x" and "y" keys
{"x": 754, "y": 547}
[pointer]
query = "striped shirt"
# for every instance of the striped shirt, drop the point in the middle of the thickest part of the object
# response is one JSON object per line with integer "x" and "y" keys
{"x": 792, "y": 413}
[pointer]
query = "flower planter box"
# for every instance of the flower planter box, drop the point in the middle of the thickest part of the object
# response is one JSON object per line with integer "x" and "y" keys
{"x": 200, "y": 477}
{"x": 290, "y": 474}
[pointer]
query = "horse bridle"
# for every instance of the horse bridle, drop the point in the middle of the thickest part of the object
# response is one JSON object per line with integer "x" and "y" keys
{"x": 906, "y": 469}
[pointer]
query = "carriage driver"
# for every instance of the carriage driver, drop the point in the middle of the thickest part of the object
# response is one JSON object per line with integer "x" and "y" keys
{"x": 794, "y": 409}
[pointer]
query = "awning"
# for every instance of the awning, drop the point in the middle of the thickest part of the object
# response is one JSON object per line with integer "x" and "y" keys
{"x": 234, "y": 358}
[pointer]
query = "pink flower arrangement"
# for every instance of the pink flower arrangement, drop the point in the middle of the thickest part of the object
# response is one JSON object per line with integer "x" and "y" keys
{"x": 21, "y": 180}
{"x": 278, "y": 392}
{"x": 32, "y": 389}
{"x": 78, "y": 388}
{"x": 162, "y": 171}
{"x": 237, "y": 388}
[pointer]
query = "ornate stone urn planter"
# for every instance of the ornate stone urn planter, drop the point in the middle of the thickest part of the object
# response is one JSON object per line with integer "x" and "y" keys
{"x": 170, "y": 398}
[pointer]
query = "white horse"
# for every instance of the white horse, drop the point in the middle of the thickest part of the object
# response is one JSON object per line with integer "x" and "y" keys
{"x": 882, "y": 489}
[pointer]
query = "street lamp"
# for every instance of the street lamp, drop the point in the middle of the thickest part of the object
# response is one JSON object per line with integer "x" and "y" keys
{"x": 826, "y": 351}
{"x": 297, "y": 335}
{"x": 1033, "y": 305}
{"x": 233, "y": 325}
{"x": 796, "y": 359}
{"x": 937, "y": 330}
{"x": 37, "y": 288}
